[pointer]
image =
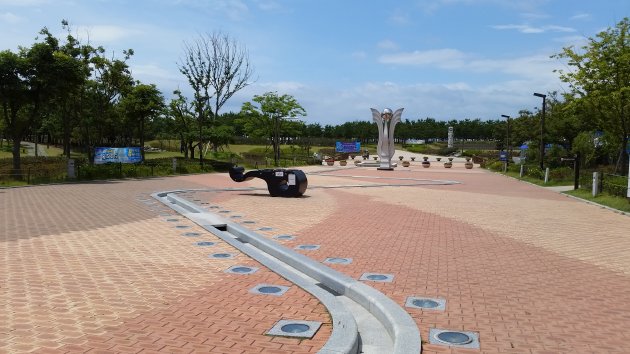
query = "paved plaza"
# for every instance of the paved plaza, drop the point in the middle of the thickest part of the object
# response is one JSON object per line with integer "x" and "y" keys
{"x": 103, "y": 267}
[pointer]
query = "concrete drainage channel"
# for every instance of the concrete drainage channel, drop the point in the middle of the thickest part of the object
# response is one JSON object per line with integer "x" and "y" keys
{"x": 364, "y": 320}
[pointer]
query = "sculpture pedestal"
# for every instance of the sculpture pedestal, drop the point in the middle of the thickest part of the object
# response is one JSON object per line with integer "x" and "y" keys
{"x": 374, "y": 164}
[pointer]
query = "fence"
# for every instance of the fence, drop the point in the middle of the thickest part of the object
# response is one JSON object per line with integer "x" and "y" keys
{"x": 55, "y": 169}
{"x": 607, "y": 183}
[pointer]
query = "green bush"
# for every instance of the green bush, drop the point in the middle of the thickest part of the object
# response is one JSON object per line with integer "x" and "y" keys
{"x": 495, "y": 165}
{"x": 615, "y": 185}
{"x": 534, "y": 172}
{"x": 561, "y": 173}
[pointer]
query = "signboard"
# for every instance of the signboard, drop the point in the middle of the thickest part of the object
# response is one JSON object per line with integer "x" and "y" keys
{"x": 354, "y": 146}
{"x": 503, "y": 156}
{"x": 628, "y": 146}
{"x": 104, "y": 155}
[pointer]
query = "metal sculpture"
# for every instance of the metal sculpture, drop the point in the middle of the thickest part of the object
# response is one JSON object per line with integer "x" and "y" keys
{"x": 386, "y": 123}
{"x": 280, "y": 182}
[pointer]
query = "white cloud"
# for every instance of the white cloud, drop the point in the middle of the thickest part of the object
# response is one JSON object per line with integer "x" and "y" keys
{"x": 455, "y": 100}
{"x": 10, "y": 18}
{"x": 233, "y": 9}
{"x": 581, "y": 17}
{"x": 399, "y": 19}
{"x": 443, "y": 58}
{"x": 360, "y": 55}
{"x": 527, "y": 6}
{"x": 451, "y": 100}
{"x": 268, "y": 5}
{"x": 106, "y": 33}
{"x": 531, "y": 16}
{"x": 282, "y": 86}
{"x": 577, "y": 41}
{"x": 23, "y": 3}
{"x": 531, "y": 29}
{"x": 535, "y": 66}
{"x": 387, "y": 45}
{"x": 451, "y": 59}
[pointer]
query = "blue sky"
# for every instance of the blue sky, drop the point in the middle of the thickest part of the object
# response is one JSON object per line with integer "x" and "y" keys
{"x": 445, "y": 59}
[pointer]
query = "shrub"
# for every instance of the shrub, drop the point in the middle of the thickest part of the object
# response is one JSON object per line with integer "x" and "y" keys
{"x": 561, "y": 173}
{"x": 534, "y": 172}
{"x": 495, "y": 165}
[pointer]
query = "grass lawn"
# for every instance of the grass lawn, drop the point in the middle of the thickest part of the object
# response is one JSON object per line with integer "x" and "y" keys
{"x": 5, "y": 150}
{"x": 149, "y": 155}
{"x": 540, "y": 182}
{"x": 614, "y": 202}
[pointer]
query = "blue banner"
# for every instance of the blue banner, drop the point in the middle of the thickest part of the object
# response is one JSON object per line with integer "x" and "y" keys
{"x": 104, "y": 155}
{"x": 354, "y": 146}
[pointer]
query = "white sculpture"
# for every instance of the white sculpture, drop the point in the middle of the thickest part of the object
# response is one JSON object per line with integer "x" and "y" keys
{"x": 386, "y": 123}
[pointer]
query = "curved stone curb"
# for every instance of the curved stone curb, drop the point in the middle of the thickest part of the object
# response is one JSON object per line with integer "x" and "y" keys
{"x": 401, "y": 328}
{"x": 344, "y": 338}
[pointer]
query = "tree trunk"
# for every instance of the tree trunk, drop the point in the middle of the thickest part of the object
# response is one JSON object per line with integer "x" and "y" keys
{"x": 17, "y": 170}
{"x": 142, "y": 138}
{"x": 66, "y": 140}
{"x": 191, "y": 148}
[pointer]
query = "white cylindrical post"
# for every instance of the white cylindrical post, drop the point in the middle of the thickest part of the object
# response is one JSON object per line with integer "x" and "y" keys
{"x": 174, "y": 165}
{"x": 595, "y": 184}
{"x": 522, "y": 171}
{"x": 546, "y": 175}
{"x": 71, "y": 169}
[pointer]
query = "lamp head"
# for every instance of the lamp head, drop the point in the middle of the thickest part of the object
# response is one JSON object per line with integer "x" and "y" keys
{"x": 539, "y": 95}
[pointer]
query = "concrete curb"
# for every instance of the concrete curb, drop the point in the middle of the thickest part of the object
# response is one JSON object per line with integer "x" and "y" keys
{"x": 401, "y": 328}
{"x": 617, "y": 211}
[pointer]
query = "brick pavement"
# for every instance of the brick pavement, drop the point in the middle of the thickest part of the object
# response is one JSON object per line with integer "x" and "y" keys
{"x": 94, "y": 268}
{"x": 529, "y": 269}
{"x": 98, "y": 268}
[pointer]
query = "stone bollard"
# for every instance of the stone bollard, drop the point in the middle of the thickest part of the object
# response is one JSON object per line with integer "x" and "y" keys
{"x": 546, "y": 175}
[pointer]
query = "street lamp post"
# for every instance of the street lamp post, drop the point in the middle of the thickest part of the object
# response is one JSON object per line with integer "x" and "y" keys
{"x": 507, "y": 142}
{"x": 542, "y": 129}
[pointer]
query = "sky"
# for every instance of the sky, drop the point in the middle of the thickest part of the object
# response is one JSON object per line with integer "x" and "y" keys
{"x": 443, "y": 59}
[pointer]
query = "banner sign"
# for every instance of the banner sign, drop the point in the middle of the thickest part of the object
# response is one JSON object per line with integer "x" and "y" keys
{"x": 354, "y": 146}
{"x": 104, "y": 155}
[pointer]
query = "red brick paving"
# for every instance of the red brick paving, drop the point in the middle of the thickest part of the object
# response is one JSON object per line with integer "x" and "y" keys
{"x": 90, "y": 268}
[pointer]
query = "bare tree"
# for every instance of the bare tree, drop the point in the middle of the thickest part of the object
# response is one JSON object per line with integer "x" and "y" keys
{"x": 216, "y": 67}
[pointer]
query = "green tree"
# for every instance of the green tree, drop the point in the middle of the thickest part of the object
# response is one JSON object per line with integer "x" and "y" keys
{"x": 600, "y": 77}
{"x": 142, "y": 104}
{"x": 69, "y": 73}
{"x": 183, "y": 116}
{"x": 269, "y": 115}
{"x": 584, "y": 146}
{"x": 14, "y": 94}
{"x": 216, "y": 67}
{"x": 102, "y": 120}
